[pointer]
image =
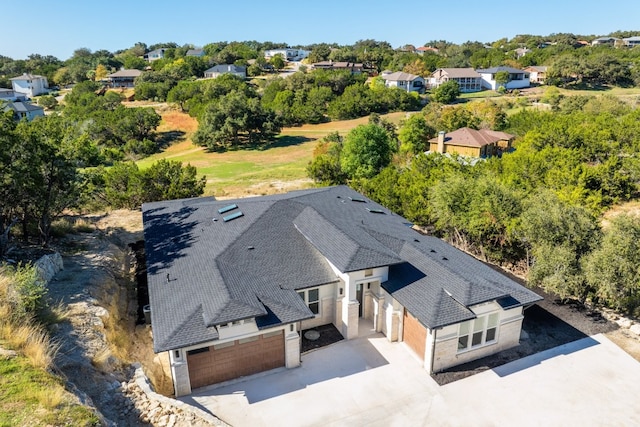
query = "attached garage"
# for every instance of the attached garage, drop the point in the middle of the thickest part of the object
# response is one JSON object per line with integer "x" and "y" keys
{"x": 233, "y": 359}
{"x": 414, "y": 334}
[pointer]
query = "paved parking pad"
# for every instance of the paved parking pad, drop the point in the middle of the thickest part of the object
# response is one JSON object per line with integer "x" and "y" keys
{"x": 369, "y": 381}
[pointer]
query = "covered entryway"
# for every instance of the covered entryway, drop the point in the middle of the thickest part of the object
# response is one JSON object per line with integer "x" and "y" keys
{"x": 223, "y": 362}
{"x": 414, "y": 334}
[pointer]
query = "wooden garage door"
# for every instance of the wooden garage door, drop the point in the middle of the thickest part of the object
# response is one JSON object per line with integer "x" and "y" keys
{"x": 217, "y": 363}
{"x": 414, "y": 334}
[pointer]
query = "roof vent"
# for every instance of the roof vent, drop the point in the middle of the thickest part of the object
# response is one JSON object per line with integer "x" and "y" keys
{"x": 416, "y": 240}
{"x": 377, "y": 211}
{"x": 444, "y": 258}
{"x": 433, "y": 251}
{"x": 357, "y": 199}
{"x": 250, "y": 248}
{"x": 232, "y": 216}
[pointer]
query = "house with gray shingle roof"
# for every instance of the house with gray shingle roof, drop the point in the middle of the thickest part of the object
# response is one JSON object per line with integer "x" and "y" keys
{"x": 123, "y": 78}
{"x": 218, "y": 70}
{"x": 30, "y": 85}
{"x": 22, "y": 110}
{"x": 405, "y": 81}
{"x": 234, "y": 284}
{"x": 467, "y": 78}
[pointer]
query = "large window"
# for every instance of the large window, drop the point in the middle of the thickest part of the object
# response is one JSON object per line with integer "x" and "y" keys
{"x": 478, "y": 332}
{"x": 311, "y": 297}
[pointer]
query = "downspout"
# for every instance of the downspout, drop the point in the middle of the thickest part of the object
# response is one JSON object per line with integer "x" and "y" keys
{"x": 433, "y": 350}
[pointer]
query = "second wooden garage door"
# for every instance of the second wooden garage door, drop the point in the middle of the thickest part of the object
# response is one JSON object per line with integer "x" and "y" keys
{"x": 214, "y": 364}
{"x": 414, "y": 334}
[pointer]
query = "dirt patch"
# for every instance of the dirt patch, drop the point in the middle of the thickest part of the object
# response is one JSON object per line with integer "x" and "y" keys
{"x": 547, "y": 324}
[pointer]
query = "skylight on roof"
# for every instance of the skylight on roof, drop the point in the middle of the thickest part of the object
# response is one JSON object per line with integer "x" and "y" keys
{"x": 232, "y": 216}
{"x": 377, "y": 211}
{"x": 227, "y": 208}
{"x": 357, "y": 199}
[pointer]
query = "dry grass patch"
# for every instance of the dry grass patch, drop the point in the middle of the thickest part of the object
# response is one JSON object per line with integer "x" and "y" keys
{"x": 631, "y": 208}
{"x": 177, "y": 120}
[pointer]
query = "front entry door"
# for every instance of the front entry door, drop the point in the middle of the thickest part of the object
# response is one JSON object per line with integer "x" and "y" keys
{"x": 359, "y": 298}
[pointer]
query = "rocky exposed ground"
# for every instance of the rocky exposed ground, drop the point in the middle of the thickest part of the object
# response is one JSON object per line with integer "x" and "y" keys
{"x": 95, "y": 276}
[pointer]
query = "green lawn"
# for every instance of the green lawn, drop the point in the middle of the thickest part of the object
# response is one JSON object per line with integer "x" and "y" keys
{"x": 279, "y": 167}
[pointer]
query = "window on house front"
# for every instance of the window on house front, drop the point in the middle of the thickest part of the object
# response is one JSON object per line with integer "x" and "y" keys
{"x": 311, "y": 297}
{"x": 478, "y": 332}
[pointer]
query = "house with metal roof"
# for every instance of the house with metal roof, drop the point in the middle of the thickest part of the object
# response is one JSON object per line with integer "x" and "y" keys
{"x": 233, "y": 284}
{"x": 467, "y": 78}
{"x": 518, "y": 79}
{"x": 469, "y": 142}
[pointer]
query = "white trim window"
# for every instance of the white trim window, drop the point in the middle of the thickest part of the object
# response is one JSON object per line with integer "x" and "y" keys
{"x": 311, "y": 297}
{"x": 478, "y": 332}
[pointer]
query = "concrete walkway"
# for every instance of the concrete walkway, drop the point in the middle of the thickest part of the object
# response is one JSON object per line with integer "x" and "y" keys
{"x": 370, "y": 381}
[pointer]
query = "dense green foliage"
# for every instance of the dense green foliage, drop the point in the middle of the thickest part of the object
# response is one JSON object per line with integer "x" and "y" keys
{"x": 535, "y": 208}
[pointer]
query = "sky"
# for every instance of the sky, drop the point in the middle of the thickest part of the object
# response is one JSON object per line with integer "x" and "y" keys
{"x": 58, "y": 27}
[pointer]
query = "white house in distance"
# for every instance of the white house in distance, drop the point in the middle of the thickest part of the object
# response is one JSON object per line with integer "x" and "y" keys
{"x": 11, "y": 95}
{"x": 234, "y": 284}
{"x": 467, "y": 78}
{"x": 405, "y": 81}
{"x": 288, "y": 54}
{"x": 518, "y": 79}
{"x": 30, "y": 84}
{"x": 155, "y": 55}
{"x": 218, "y": 70}
{"x": 537, "y": 73}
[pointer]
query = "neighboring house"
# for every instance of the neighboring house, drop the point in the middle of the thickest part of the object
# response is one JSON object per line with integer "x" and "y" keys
{"x": 233, "y": 284}
{"x": 154, "y": 55}
{"x": 537, "y": 73}
{"x": 423, "y": 49}
{"x": 23, "y": 110}
{"x": 522, "y": 51}
{"x": 221, "y": 69}
{"x": 604, "y": 41}
{"x": 11, "y": 95}
{"x": 472, "y": 143}
{"x": 354, "y": 67}
{"x": 30, "y": 85}
{"x": 467, "y": 78}
{"x": 287, "y": 54}
{"x": 631, "y": 41}
{"x": 195, "y": 52}
{"x": 404, "y": 81}
{"x": 123, "y": 78}
{"x": 518, "y": 79}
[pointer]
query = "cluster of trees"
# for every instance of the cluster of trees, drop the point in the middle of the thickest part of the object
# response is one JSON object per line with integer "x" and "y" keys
{"x": 536, "y": 208}
{"x": 108, "y": 130}
{"x": 316, "y": 96}
{"x": 57, "y": 162}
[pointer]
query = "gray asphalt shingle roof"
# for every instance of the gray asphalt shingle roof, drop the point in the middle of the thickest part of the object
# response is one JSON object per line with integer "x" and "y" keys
{"x": 203, "y": 271}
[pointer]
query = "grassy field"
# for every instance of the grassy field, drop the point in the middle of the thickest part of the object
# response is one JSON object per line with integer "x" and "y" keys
{"x": 279, "y": 167}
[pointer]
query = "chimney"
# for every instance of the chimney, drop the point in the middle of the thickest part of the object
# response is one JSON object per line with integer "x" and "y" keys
{"x": 441, "y": 135}
{"x": 229, "y": 68}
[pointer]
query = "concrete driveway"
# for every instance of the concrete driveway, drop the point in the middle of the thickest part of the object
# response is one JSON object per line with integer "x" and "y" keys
{"x": 369, "y": 381}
